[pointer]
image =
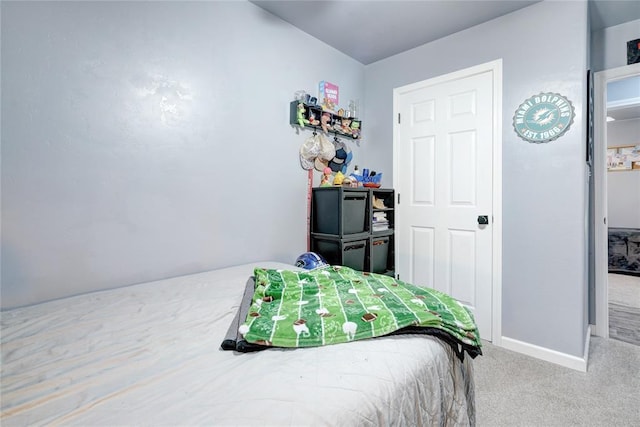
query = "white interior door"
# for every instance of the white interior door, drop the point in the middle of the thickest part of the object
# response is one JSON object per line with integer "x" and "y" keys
{"x": 444, "y": 159}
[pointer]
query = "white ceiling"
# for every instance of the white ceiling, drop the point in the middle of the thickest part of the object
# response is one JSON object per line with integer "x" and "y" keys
{"x": 369, "y": 30}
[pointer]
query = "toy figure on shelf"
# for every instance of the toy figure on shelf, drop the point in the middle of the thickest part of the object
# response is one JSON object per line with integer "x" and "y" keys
{"x": 301, "y": 119}
{"x": 338, "y": 179}
{"x": 355, "y": 129}
{"x": 325, "y": 119}
{"x": 326, "y": 178}
{"x": 312, "y": 119}
{"x": 346, "y": 126}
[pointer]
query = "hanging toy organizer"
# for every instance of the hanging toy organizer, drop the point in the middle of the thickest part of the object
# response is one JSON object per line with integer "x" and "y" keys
{"x": 314, "y": 117}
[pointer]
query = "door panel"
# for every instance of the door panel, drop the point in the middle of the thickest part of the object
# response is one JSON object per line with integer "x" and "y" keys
{"x": 462, "y": 266}
{"x": 424, "y": 170}
{"x": 462, "y": 152}
{"x": 445, "y": 168}
{"x": 423, "y": 247}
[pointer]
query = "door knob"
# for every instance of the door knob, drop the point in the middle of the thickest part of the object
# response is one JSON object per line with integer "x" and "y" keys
{"x": 483, "y": 219}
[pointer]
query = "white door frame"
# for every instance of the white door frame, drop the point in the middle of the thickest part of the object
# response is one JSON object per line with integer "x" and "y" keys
{"x": 496, "y": 68}
{"x": 601, "y": 238}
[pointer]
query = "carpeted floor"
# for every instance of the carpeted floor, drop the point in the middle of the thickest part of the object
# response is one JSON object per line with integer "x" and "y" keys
{"x": 516, "y": 390}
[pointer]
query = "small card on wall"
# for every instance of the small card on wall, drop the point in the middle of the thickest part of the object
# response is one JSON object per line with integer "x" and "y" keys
{"x": 328, "y": 95}
{"x": 633, "y": 51}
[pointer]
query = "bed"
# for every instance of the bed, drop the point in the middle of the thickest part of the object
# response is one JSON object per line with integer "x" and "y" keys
{"x": 150, "y": 354}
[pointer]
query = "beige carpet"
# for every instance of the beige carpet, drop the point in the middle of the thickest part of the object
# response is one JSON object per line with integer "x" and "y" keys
{"x": 514, "y": 390}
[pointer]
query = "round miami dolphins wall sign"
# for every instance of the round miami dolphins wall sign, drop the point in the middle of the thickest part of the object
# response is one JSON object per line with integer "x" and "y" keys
{"x": 543, "y": 117}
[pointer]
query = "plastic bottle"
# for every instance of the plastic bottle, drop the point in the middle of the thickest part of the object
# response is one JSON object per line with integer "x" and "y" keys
{"x": 357, "y": 177}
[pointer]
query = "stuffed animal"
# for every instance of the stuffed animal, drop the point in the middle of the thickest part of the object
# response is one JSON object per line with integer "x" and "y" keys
{"x": 301, "y": 119}
{"x": 355, "y": 129}
{"x": 312, "y": 119}
{"x": 346, "y": 126}
{"x": 325, "y": 119}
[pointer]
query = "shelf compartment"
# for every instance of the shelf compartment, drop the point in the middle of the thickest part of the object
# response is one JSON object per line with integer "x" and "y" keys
{"x": 314, "y": 112}
{"x": 379, "y": 254}
{"x": 339, "y": 210}
{"x": 349, "y": 252}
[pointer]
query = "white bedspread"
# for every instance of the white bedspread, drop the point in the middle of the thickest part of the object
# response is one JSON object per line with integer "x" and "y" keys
{"x": 150, "y": 354}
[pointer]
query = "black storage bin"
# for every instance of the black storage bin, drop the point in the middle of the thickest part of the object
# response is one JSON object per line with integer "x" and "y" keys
{"x": 339, "y": 210}
{"x": 349, "y": 252}
{"x": 379, "y": 253}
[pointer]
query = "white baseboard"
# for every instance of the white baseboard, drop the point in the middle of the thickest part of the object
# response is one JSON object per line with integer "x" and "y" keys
{"x": 553, "y": 356}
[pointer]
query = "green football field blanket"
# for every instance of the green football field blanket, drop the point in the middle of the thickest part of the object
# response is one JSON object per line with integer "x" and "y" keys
{"x": 337, "y": 304}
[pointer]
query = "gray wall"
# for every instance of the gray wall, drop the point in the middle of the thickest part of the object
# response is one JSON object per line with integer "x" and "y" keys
{"x": 609, "y": 45}
{"x": 143, "y": 140}
{"x": 623, "y": 187}
{"x": 544, "y": 271}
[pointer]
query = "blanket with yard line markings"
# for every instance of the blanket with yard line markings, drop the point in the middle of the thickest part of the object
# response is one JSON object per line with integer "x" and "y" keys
{"x": 337, "y": 304}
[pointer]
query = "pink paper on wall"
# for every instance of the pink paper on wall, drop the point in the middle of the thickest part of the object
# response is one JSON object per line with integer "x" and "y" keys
{"x": 328, "y": 95}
